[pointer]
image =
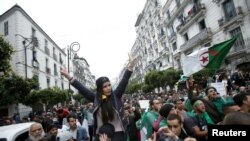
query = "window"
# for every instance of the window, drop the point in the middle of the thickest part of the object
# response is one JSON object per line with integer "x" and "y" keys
{"x": 55, "y": 70}
{"x": 207, "y": 45}
{"x": 168, "y": 14}
{"x": 34, "y": 53}
{"x": 174, "y": 46}
{"x": 171, "y": 30}
{"x": 47, "y": 62}
{"x": 62, "y": 86}
{"x": 202, "y": 24}
{"x": 46, "y": 47}
{"x": 177, "y": 2}
{"x": 60, "y": 57}
{"x": 239, "y": 44}
{"x": 48, "y": 82}
{"x": 229, "y": 9}
{"x": 54, "y": 50}
{"x": 33, "y": 32}
{"x": 164, "y": 45}
{"x": 186, "y": 38}
{"x": 178, "y": 63}
{"x": 181, "y": 19}
{"x": 6, "y": 28}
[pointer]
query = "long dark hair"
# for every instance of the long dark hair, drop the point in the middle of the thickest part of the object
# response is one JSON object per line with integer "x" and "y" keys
{"x": 107, "y": 111}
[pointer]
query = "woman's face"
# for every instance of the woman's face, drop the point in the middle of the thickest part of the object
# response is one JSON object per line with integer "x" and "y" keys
{"x": 106, "y": 88}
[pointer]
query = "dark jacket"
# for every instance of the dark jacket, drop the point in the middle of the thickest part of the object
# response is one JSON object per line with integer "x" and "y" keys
{"x": 117, "y": 95}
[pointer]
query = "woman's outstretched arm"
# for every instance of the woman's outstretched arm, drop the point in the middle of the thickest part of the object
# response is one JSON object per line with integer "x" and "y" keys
{"x": 79, "y": 86}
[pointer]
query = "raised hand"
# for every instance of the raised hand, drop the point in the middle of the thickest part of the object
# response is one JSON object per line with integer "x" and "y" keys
{"x": 65, "y": 73}
{"x": 103, "y": 137}
{"x": 131, "y": 62}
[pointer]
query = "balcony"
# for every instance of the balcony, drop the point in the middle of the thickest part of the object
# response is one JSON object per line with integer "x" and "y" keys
{"x": 194, "y": 14}
{"x": 55, "y": 56}
{"x": 225, "y": 22}
{"x": 47, "y": 51}
{"x": 197, "y": 39}
{"x": 175, "y": 12}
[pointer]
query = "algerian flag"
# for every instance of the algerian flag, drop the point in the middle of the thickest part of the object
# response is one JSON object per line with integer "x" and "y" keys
{"x": 207, "y": 57}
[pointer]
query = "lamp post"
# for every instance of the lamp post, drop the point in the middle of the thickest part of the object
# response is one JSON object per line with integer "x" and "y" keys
{"x": 72, "y": 49}
{"x": 33, "y": 41}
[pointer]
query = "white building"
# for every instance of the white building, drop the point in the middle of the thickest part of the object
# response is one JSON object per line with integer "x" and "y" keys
{"x": 35, "y": 50}
{"x": 167, "y": 30}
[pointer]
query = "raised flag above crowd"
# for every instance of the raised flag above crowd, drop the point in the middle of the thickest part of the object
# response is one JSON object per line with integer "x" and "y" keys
{"x": 207, "y": 57}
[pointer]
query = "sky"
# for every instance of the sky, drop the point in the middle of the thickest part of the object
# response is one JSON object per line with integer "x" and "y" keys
{"x": 104, "y": 28}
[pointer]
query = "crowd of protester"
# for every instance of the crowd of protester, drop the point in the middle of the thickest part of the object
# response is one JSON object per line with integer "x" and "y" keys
{"x": 175, "y": 115}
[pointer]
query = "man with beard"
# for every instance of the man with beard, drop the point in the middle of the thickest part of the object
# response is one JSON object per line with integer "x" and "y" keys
{"x": 36, "y": 132}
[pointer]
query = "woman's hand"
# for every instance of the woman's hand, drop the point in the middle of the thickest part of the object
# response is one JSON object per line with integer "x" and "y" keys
{"x": 65, "y": 73}
{"x": 131, "y": 62}
{"x": 103, "y": 137}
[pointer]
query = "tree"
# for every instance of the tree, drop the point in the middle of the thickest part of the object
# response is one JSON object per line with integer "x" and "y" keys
{"x": 47, "y": 97}
{"x": 171, "y": 76}
{"x": 78, "y": 97}
{"x": 133, "y": 87}
{"x": 6, "y": 51}
{"x": 14, "y": 89}
{"x": 202, "y": 75}
{"x": 147, "y": 88}
{"x": 154, "y": 78}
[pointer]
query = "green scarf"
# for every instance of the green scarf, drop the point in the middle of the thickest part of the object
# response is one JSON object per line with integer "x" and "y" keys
{"x": 207, "y": 118}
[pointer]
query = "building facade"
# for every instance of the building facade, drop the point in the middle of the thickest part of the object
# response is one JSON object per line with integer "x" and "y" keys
{"x": 36, "y": 54}
{"x": 168, "y": 30}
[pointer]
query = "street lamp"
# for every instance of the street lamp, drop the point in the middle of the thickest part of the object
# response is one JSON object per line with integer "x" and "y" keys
{"x": 72, "y": 49}
{"x": 33, "y": 41}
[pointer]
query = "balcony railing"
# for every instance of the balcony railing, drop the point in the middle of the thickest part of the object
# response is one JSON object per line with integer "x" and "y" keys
{"x": 200, "y": 37}
{"x": 196, "y": 13}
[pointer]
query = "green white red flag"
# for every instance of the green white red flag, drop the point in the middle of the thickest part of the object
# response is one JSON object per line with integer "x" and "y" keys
{"x": 207, "y": 57}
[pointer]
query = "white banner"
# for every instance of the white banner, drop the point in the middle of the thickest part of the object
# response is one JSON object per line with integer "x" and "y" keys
{"x": 220, "y": 87}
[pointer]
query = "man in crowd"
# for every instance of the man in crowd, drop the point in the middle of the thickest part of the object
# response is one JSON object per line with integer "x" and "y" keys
{"x": 78, "y": 132}
{"x": 36, "y": 132}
